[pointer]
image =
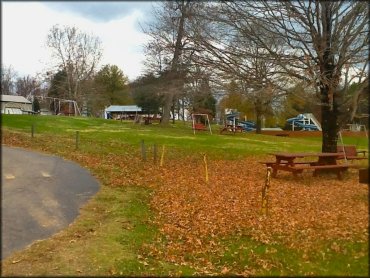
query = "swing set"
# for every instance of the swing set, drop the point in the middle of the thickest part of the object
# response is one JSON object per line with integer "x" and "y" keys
{"x": 197, "y": 123}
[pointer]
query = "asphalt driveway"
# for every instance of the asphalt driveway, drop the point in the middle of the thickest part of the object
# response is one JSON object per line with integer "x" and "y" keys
{"x": 41, "y": 195}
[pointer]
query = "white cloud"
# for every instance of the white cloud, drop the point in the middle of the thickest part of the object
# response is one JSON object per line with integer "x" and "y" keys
{"x": 25, "y": 26}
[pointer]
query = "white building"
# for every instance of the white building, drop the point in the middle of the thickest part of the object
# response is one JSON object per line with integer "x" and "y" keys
{"x": 122, "y": 111}
{"x": 15, "y": 105}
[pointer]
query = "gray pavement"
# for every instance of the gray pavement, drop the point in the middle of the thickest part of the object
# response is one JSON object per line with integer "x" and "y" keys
{"x": 41, "y": 195}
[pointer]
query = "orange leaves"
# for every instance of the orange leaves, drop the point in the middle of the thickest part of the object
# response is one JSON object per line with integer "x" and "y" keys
{"x": 194, "y": 214}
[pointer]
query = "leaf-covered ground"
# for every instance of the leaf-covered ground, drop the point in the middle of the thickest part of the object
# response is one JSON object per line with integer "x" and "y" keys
{"x": 194, "y": 215}
{"x": 196, "y": 218}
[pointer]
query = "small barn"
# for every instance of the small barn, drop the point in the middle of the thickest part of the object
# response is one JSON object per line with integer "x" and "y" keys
{"x": 15, "y": 105}
{"x": 124, "y": 112}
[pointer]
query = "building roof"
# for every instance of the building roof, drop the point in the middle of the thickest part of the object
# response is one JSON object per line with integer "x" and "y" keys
{"x": 17, "y": 99}
{"x": 123, "y": 108}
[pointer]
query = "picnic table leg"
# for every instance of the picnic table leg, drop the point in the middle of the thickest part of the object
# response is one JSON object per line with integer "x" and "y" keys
{"x": 315, "y": 173}
{"x": 274, "y": 171}
{"x": 296, "y": 172}
{"x": 339, "y": 174}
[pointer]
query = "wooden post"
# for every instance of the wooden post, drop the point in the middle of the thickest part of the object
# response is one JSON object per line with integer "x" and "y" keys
{"x": 265, "y": 189}
{"x": 32, "y": 130}
{"x": 77, "y": 139}
{"x": 155, "y": 153}
{"x": 162, "y": 156}
{"x": 206, "y": 167}
{"x": 143, "y": 151}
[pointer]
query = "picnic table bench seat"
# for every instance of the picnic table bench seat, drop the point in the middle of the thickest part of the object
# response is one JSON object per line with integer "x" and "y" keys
{"x": 299, "y": 167}
{"x": 271, "y": 163}
{"x": 337, "y": 168}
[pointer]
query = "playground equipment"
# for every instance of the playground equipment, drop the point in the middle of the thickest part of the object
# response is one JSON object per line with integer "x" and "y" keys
{"x": 57, "y": 106}
{"x": 233, "y": 124}
{"x": 248, "y": 125}
{"x": 197, "y": 123}
{"x": 305, "y": 121}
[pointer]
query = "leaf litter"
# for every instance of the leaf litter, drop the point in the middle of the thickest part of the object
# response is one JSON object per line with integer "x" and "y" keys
{"x": 194, "y": 216}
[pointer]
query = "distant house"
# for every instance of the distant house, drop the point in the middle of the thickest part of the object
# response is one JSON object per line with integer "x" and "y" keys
{"x": 15, "y": 105}
{"x": 122, "y": 112}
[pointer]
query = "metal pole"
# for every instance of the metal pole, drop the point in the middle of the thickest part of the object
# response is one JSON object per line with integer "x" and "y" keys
{"x": 344, "y": 151}
{"x": 209, "y": 125}
{"x": 32, "y": 130}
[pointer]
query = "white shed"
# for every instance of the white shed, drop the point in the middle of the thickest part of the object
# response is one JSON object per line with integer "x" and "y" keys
{"x": 15, "y": 105}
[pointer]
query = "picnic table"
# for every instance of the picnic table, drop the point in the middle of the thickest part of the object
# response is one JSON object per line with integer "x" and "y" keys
{"x": 320, "y": 162}
{"x": 231, "y": 128}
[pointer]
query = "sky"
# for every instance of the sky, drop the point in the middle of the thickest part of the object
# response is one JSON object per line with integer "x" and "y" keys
{"x": 25, "y": 25}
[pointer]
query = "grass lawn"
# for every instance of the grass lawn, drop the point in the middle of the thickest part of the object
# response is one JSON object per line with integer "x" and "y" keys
{"x": 152, "y": 220}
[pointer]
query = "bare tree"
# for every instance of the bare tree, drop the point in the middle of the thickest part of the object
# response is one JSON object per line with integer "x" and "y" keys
{"x": 167, "y": 53}
{"x": 307, "y": 40}
{"x": 76, "y": 53}
{"x": 233, "y": 57}
{"x": 27, "y": 85}
{"x": 8, "y": 76}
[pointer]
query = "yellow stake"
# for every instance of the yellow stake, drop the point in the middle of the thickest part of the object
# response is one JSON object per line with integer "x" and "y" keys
{"x": 162, "y": 156}
{"x": 205, "y": 164}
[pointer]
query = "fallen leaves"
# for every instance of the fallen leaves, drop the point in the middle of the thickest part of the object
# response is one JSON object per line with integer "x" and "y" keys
{"x": 191, "y": 212}
{"x": 194, "y": 216}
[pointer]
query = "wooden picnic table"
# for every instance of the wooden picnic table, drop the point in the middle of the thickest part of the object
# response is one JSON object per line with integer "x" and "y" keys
{"x": 320, "y": 162}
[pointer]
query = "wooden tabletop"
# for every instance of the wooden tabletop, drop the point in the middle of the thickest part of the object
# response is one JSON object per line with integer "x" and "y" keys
{"x": 292, "y": 155}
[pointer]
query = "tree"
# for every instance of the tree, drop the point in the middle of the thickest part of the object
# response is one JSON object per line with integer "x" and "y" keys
{"x": 26, "y": 85}
{"x": 319, "y": 39}
{"x": 77, "y": 54}
{"x": 59, "y": 85}
{"x": 166, "y": 52}
{"x": 8, "y": 76}
{"x": 204, "y": 101}
{"x": 146, "y": 93}
{"x": 36, "y": 105}
{"x": 113, "y": 85}
{"x": 223, "y": 48}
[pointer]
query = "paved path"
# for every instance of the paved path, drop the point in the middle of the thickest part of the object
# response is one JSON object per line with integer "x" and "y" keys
{"x": 41, "y": 195}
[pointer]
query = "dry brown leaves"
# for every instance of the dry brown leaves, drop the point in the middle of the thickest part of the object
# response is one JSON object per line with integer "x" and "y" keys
{"x": 194, "y": 215}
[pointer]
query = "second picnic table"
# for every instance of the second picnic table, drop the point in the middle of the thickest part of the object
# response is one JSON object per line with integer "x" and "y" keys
{"x": 323, "y": 162}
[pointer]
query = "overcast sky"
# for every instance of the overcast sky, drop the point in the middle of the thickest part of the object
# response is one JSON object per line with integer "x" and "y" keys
{"x": 25, "y": 26}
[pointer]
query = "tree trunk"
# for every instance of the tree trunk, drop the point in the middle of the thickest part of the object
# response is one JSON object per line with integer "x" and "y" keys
{"x": 328, "y": 89}
{"x": 166, "y": 115}
{"x": 175, "y": 64}
{"x": 329, "y": 123}
{"x": 258, "y": 117}
{"x": 173, "y": 112}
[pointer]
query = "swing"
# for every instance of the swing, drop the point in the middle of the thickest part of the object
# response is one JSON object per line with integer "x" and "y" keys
{"x": 350, "y": 152}
{"x": 198, "y": 125}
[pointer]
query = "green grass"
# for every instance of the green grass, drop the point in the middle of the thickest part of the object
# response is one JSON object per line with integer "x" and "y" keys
{"x": 111, "y": 135}
{"x": 350, "y": 259}
{"x": 114, "y": 227}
